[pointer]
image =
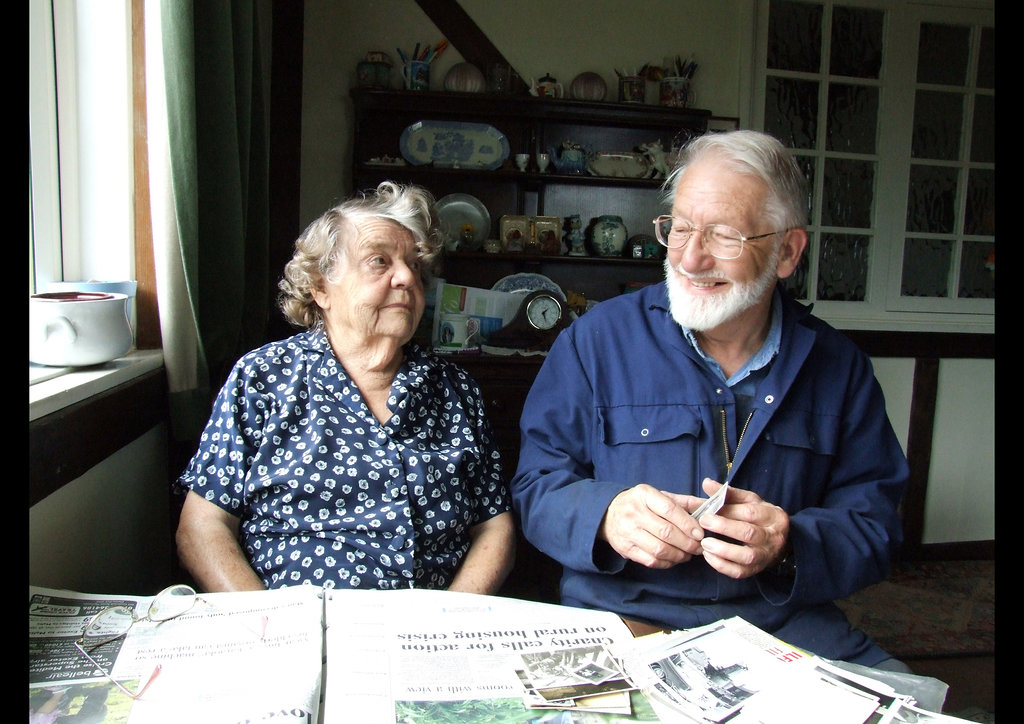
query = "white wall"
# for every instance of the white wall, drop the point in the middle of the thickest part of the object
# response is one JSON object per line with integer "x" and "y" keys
{"x": 962, "y": 481}
{"x": 960, "y": 504}
{"x": 108, "y": 531}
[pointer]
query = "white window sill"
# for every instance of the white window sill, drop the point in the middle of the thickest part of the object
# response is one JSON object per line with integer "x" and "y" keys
{"x": 53, "y": 388}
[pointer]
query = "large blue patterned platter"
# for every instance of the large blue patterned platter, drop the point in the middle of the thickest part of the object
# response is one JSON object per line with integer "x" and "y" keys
{"x": 454, "y": 144}
{"x": 525, "y": 282}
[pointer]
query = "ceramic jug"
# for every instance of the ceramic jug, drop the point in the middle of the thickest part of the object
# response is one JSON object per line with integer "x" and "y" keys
{"x": 546, "y": 87}
{"x": 608, "y": 236}
{"x": 570, "y": 158}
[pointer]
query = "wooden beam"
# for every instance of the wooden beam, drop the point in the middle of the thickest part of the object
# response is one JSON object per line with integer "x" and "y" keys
{"x": 924, "y": 345}
{"x": 147, "y": 317}
{"x": 919, "y": 453}
{"x": 462, "y": 32}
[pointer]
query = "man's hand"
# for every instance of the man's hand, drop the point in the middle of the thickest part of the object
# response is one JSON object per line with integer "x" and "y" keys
{"x": 759, "y": 528}
{"x": 652, "y": 527}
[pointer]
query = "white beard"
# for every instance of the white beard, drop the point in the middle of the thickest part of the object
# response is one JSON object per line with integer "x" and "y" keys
{"x": 700, "y": 313}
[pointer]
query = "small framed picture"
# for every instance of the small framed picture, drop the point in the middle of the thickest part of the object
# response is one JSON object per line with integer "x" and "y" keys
{"x": 718, "y": 124}
{"x": 547, "y": 234}
{"x": 515, "y": 232}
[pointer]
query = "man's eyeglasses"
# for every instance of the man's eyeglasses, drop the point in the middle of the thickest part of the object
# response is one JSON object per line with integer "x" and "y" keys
{"x": 114, "y": 622}
{"x": 721, "y": 241}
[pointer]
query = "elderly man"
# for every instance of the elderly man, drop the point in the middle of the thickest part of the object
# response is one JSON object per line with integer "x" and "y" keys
{"x": 650, "y": 402}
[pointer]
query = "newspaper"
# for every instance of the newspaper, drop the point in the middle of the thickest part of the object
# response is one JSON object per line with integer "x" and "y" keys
{"x": 493, "y": 309}
{"x": 436, "y": 656}
{"x": 733, "y": 671}
{"x": 210, "y": 664}
{"x": 310, "y": 655}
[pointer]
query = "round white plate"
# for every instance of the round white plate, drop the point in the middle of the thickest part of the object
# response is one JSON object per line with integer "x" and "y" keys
{"x": 525, "y": 283}
{"x": 457, "y": 210}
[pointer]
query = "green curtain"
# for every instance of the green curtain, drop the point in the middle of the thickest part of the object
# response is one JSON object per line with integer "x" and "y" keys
{"x": 219, "y": 169}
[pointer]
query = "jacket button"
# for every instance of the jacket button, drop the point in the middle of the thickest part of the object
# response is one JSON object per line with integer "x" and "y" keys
{"x": 645, "y": 432}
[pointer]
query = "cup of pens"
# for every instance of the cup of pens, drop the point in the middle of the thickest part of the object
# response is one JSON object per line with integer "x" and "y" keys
{"x": 674, "y": 91}
{"x": 416, "y": 67}
{"x": 416, "y": 75}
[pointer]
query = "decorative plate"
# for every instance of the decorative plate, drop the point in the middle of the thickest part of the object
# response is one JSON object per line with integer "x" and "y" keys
{"x": 454, "y": 144}
{"x": 525, "y": 283}
{"x": 588, "y": 86}
{"x": 457, "y": 211}
{"x": 626, "y": 165}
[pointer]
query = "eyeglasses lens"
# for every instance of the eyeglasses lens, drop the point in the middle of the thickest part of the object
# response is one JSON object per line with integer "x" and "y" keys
{"x": 114, "y": 622}
{"x": 723, "y": 242}
{"x": 107, "y": 625}
{"x": 663, "y": 230}
{"x": 171, "y": 602}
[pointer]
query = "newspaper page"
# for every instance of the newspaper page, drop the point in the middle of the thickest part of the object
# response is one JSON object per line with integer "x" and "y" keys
{"x": 705, "y": 674}
{"x": 493, "y": 309}
{"x": 439, "y": 656}
{"x": 232, "y": 657}
{"x": 733, "y": 671}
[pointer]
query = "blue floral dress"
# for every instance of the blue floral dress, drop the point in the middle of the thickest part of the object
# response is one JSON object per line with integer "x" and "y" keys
{"x": 329, "y": 496}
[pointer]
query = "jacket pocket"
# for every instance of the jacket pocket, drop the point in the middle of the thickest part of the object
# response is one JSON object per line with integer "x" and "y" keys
{"x": 814, "y": 433}
{"x": 657, "y": 445}
{"x": 647, "y": 424}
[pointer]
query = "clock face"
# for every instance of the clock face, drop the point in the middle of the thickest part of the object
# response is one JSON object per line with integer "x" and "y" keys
{"x": 543, "y": 311}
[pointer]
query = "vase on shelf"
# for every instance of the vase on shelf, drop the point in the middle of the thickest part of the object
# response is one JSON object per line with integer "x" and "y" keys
{"x": 608, "y": 236}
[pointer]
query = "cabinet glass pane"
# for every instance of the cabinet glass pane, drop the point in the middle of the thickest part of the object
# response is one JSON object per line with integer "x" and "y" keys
{"x": 806, "y": 164}
{"x": 978, "y": 270}
{"x": 980, "y": 214}
{"x": 847, "y": 193}
{"x": 843, "y": 267}
{"x": 942, "y": 54}
{"x": 791, "y": 111}
{"x": 983, "y": 130}
{"x": 987, "y": 59}
{"x": 856, "y": 42}
{"x": 796, "y": 283}
{"x": 926, "y": 268}
{"x": 852, "y": 118}
{"x": 938, "y": 118}
{"x": 931, "y": 199}
{"x": 794, "y": 36}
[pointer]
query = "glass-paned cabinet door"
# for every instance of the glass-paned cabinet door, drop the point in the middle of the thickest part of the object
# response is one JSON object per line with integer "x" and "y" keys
{"x": 948, "y": 240}
{"x": 890, "y": 109}
{"x": 822, "y": 94}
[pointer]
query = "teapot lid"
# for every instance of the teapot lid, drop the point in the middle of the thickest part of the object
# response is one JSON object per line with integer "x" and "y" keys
{"x": 547, "y": 79}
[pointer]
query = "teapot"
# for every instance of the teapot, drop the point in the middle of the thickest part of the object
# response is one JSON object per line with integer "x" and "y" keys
{"x": 546, "y": 87}
{"x": 570, "y": 158}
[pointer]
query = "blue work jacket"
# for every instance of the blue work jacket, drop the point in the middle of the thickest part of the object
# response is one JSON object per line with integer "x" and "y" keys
{"x": 623, "y": 398}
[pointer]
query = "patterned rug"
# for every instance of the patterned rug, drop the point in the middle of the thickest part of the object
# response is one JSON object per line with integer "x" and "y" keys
{"x": 929, "y": 609}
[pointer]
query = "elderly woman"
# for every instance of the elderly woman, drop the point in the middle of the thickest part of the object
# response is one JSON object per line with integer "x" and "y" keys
{"x": 347, "y": 455}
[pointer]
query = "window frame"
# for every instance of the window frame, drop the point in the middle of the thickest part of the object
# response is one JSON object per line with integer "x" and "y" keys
{"x": 897, "y": 81}
{"x": 44, "y": 179}
{"x": 82, "y": 183}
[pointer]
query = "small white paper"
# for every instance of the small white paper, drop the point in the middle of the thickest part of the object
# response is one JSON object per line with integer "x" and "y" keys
{"x": 712, "y": 505}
